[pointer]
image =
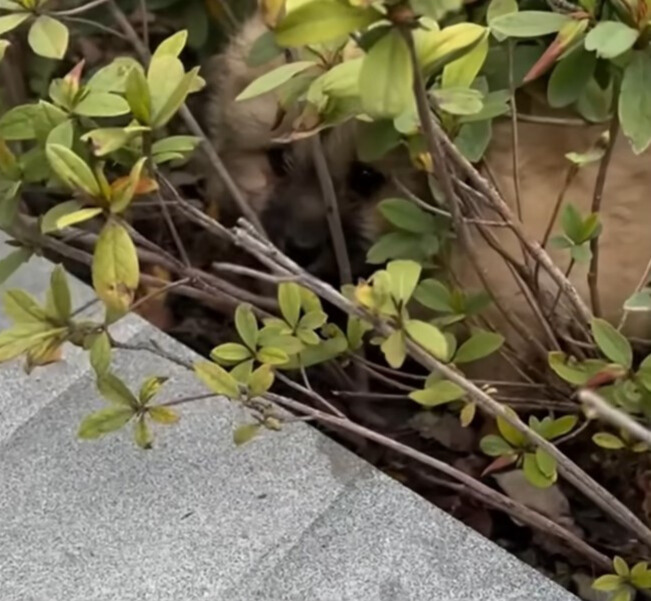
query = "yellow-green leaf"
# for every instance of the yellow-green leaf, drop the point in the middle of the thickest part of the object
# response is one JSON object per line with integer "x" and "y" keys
{"x": 462, "y": 72}
{"x": 246, "y": 325}
{"x": 244, "y": 434}
{"x": 163, "y": 415}
{"x": 9, "y": 22}
{"x": 22, "y": 307}
{"x": 621, "y": 567}
{"x": 230, "y": 353}
{"x": 173, "y": 45}
{"x": 386, "y": 78}
{"x": 479, "y": 345}
{"x": 546, "y": 464}
{"x": 104, "y": 421}
{"x": 429, "y": 337}
{"x": 404, "y": 279}
{"x": 439, "y": 393}
{"x": 59, "y": 293}
{"x": 71, "y": 169}
{"x": 114, "y": 390}
{"x": 495, "y": 446}
{"x": 289, "y": 300}
{"x": 510, "y": 433}
{"x": 115, "y": 269}
{"x": 100, "y": 359}
{"x": 533, "y": 474}
{"x": 609, "y": 441}
{"x": 274, "y": 79}
{"x": 272, "y": 356}
{"x": 102, "y": 104}
{"x": 612, "y": 343}
{"x": 321, "y": 21}
{"x": 261, "y": 380}
{"x": 607, "y": 583}
{"x": 394, "y": 349}
{"x": 48, "y": 37}
{"x": 150, "y": 388}
{"x": 142, "y": 434}
{"x": 467, "y": 414}
{"x": 122, "y": 195}
{"x": 217, "y": 379}
{"x": 138, "y": 96}
{"x": 66, "y": 214}
{"x": 175, "y": 99}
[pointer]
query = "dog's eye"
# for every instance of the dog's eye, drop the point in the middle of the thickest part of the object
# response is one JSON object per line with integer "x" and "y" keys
{"x": 278, "y": 161}
{"x": 365, "y": 180}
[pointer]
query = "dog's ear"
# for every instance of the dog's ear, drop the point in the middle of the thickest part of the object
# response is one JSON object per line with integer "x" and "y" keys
{"x": 246, "y": 125}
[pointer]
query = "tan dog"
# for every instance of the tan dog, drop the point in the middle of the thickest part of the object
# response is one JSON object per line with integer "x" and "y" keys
{"x": 281, "y": 185}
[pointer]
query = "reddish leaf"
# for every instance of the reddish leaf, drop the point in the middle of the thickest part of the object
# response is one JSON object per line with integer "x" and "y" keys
{"x": 499, "y": 464}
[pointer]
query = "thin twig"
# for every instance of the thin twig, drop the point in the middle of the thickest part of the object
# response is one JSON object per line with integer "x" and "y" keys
{"x": 593, "y": 272}
{"x": 189, "y": 399}
{"x": 514, "y": 132}
{"x": 480, "y": 490}
{"x": 544, "y": 120}
{"x": 192, "y": 124}
{"x": 252, "y": 273}
{"x": 71, "y": 12}
{"x": 145, "y": 22}
{"x": 332, "y": 211}
{"x": 96, "y": 24}
{"x": 614, "y": 416}
{"x": 157, "y": 292}
{"x": 574, "y": 474}
{"x": 171, "y": 226}
{"x": 154, "y": 348}
{"x": 309, "y": 392}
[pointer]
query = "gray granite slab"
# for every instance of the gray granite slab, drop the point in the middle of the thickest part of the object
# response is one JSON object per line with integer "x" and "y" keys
{"x": 291, "y": 516}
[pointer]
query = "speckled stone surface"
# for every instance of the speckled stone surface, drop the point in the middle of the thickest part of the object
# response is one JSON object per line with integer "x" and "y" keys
{"x": 289, "y": 517}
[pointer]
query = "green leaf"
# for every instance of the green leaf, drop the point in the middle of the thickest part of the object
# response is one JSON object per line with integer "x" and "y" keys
{"x": 274, "y": 79}
{"x": 114, "y": 390}
{"x": 263, "y": 50}
{"x": 313, "y": 320}
{"x": 386, "y": 78}
{"x": 26, "y": 336}
{"x": 48, "y": 37}
{"x": 261, "y": 380}
{"x": 435, "y": 9}
{"x": 173, "y": 45}
{"x": 230, "y": 353}
{"x": 150, "y": 388}
{"x": 22, "y": 307}
{"x": 9, "y": 22}
{"x": 289, "y": 300}
{"x": 609, "y": 39}
{"x": 394, "y": 349}
{"x": 123, "y": 194}
{"x": 497, "y": 8}
{"x": 355, "y": 330}
{"x": 113, "y": 77}
{"x": 175, "y": 100}
{"x": 595, "y": 103}
{"x": 404, "y": 279}
{"x": 246, "y": 325}
{"x": 12, "y": 262}
{"x": 244, "y": 434}
{"x": 624, "y": 594}
{"x": 109, "y": 139}
{"x": 570, "y": 77}
{"x": 528, "y": 24}
{"x": 473, "y": 139}
{"x": 322, "y": 21}
{"x": 104, "y": 421}
{"x": 461, "y": 73}
{"x": 606, "y": 440}
{"x": 607, "y": 583}
{"x": 62, "y": 134}
{"x": 635, "y": 102}
{"x": 533, "y": 473}
{"x": 407, "y": 215}
{"x": 289, "y": 344}
{"x": 163, "y": 415}
{"x": 243, "y": 371}
{"x": 100, "y": 358}
{"x": 459, "y": 101}
{"x": 308, "y": 337}
{"x": 438, "y": 393}
{"x": 574, "y": 373}
{"x": 641, "y": 575}
{"x": 272, "y": 356}
{"x": 102, "y": 104}
{"x": 572, "y": 223}
{"x": 59, "y": 292}
{"x": 175, "y": 144}
{"x": 639, "y": 302}
{"x": 66, "y": 214}
{"x": 392, "y": 246}
{"x": 495, "y": 446}
{"x": 217, "y": 379}
{"x": 558, "y": 427}
{"x": 18, "y": 123}
{"x": 434, "y": 295}
{"x": 479, "y": 345}
{"x": 138, "y": 95}
{"x": 546, "y": 464}
{"x": 72, "y": 170}
{"x": 115, "y": 269}
{"x": 429, "y": 337}
{"x": 612, "y": 343}
{"x": 510, "y": 433}
{"x": 621, "y": 567}
{"x": 142, "y": 434}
